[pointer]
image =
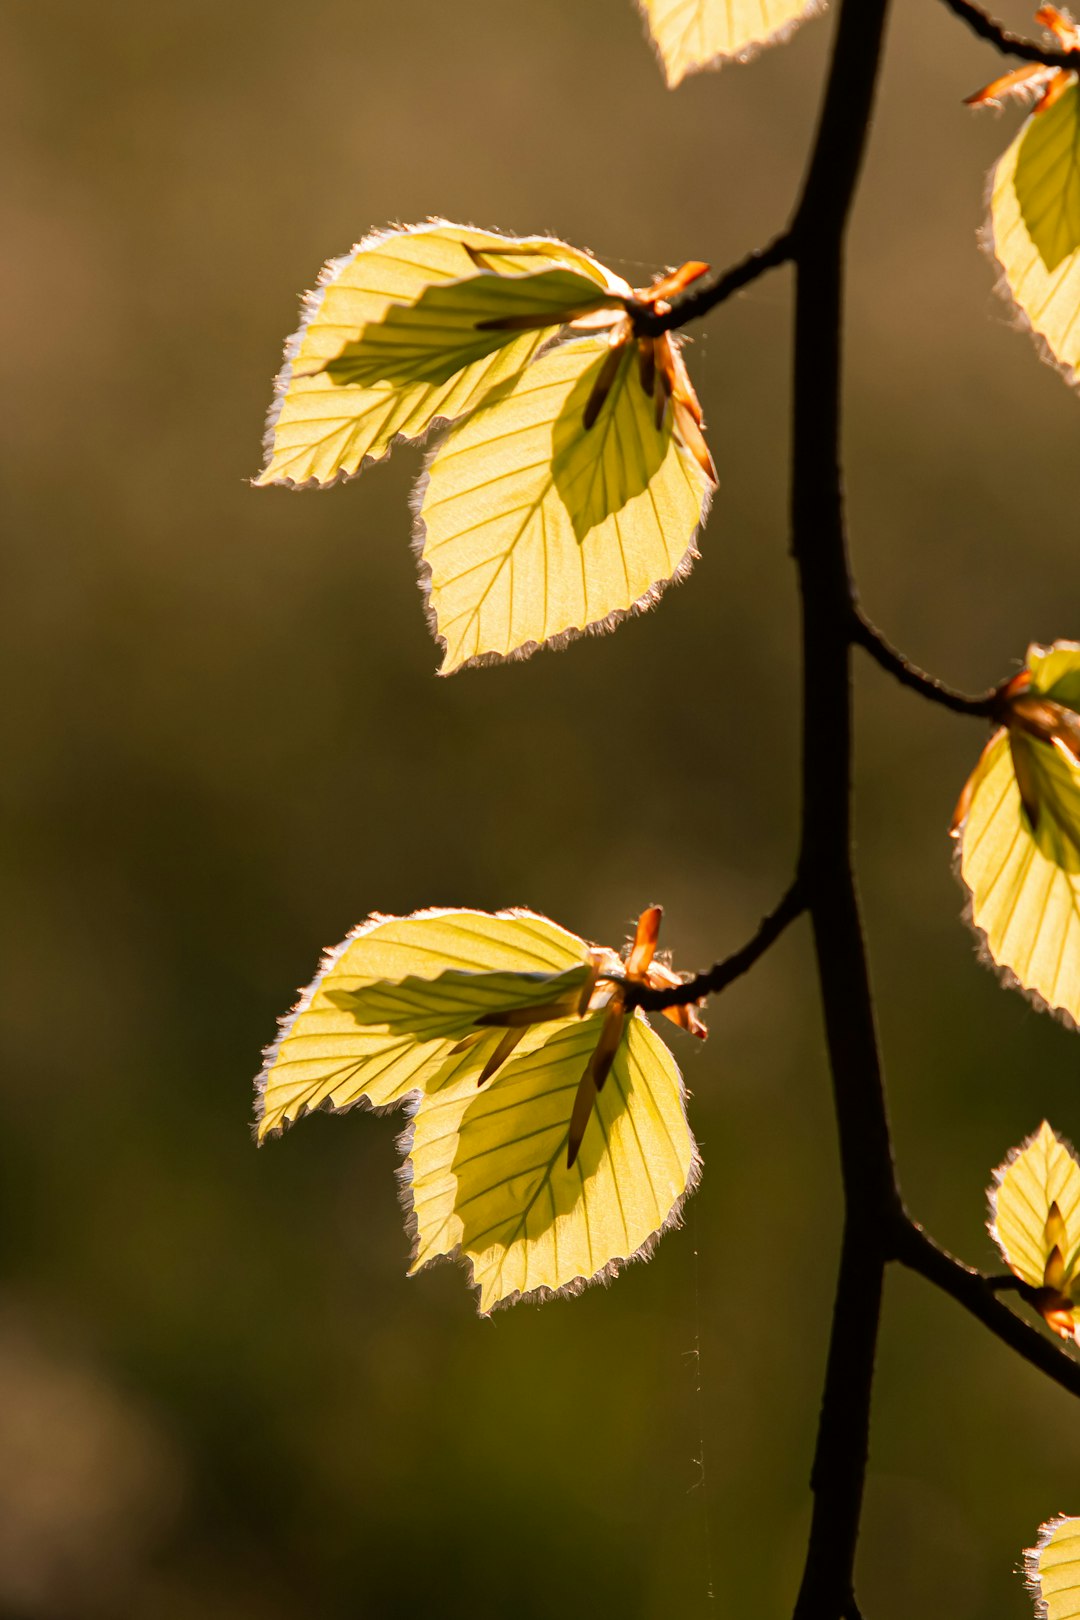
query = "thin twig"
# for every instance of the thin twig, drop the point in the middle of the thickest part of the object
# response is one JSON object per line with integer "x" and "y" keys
{"x": 869, "y": 637}
{"x": 1009, "y": 1283}
{"x": 1010, "y": 44}
{"x": 721, "y": 974}
{"x": 976, "y": 1293}
{"x": 703, "y": 296}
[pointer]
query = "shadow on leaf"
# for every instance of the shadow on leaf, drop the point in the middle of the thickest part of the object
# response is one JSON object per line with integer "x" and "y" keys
{"x": 456, "y": 1001}
{"x": 449, "y": 327}
{"x": 1047, "y": 179}
{"x": 510, "y": 1161}
{"x": 598, "y": 470}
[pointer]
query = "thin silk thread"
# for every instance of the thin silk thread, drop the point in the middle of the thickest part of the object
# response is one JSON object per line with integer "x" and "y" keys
{"x": 701, "y": 1483}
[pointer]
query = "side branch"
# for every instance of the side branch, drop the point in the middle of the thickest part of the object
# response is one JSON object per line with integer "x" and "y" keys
{"x": 866, "y": 635}
{"x": 978, "y": 1294}
{"x": 1009, "y": 44}
{"x": 723, "y": 973}
{"x": 699, "y": 299}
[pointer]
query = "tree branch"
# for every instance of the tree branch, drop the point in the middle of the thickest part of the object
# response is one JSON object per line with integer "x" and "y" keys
{"x": 1009, "y": 44}
{"x": 978, "y": 1294}
{"x": 866, "y": 635}
{"x": 721, "y": 974}
{"x": 819, "y": 543}
{"x": 877, "y": 1229}
{"x": 703, "y": 296}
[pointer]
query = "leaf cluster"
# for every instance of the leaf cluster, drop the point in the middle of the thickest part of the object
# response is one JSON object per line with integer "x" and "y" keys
{"x": 566, "y": 479}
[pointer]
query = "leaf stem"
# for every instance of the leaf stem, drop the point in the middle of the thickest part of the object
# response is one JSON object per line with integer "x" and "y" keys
{"x": 721, "y": 974}
{"x": 705, "y": 295}
{"x": 1009, "y": 1283}
{"x": 899, "y": 666}
{"x": 1010, "y": 44}
{"x": 978, "y": 1294}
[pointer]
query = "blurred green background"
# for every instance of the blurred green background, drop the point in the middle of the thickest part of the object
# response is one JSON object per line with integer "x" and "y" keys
{"x": 219, "y": 1394}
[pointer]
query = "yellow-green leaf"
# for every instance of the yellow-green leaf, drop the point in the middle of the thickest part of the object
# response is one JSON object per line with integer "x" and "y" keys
{"x": 486, "y": 1170}
{"x": 1055, "y": 672}
{"x": 324, "y": 1055}
{"x": 1035, "y": 225}
{"x": 533, "y": 527}
{"x": 1052, "y": 1568}
{"x": 693, "y": 34}
{"x": 1023, "y": 876}
{"x": 1040, "y": 1176}
{"x": 346, "y": 392}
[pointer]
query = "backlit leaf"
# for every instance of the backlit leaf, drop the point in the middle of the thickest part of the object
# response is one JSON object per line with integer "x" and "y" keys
{"x": 693, "y": 34}
{"x": 1018, "y": 830}
{"x": 1055, "y": 672}
{"x": 486, "y": 1171}
{"x": 1052, "y": 1568}
{"x": 533, "y": 527}
{"x": 1035, "y": 223}
{"x": 1035, "y": 1222}
{"x": 325, "y": 1055}
{"x": 389, "y": 342}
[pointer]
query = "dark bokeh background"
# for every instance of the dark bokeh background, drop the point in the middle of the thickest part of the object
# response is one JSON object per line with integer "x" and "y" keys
{"x": 219, "y": 1394}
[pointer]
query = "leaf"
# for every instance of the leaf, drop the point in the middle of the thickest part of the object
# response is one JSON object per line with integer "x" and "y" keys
{"x": 1052, "y": 1569}
{"x": 693, "y": 34}
{"x": 1018, "y": 832}
{"x": 1035, "y": 1222}
{"x": 346, "y": 393}
{"x": 1035, "y": 224}
{"x": 1055, "y": 672}
{"x": 533, "y": 527}
{"x": 325, "y": 1056}
{"x": 486, "y": 1171}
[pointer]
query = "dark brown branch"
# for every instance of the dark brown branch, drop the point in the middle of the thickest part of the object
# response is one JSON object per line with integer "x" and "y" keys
{"x": 1010, "y": 44}
{"x": 703, "y": 296}
{"x": 819, "y": 543}
{"x": 978, "y": 1294}
{"x": 867, "y": 636}
{"x": 719, "y": 976}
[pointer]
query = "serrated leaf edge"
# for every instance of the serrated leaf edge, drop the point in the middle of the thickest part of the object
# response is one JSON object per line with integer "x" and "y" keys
{"x": 981, "y": 942}
{"x": 310, "y": 304}
{"x": 605, "y": 1275}
{"x": 563, "y": 638}
{"x": 307, "y": 995}
{"x": 713, "y": 64}
{"x": 1030, "y": 1570}
{"x": 998, "y": 1176}
{"x": 1019, "y": 321}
